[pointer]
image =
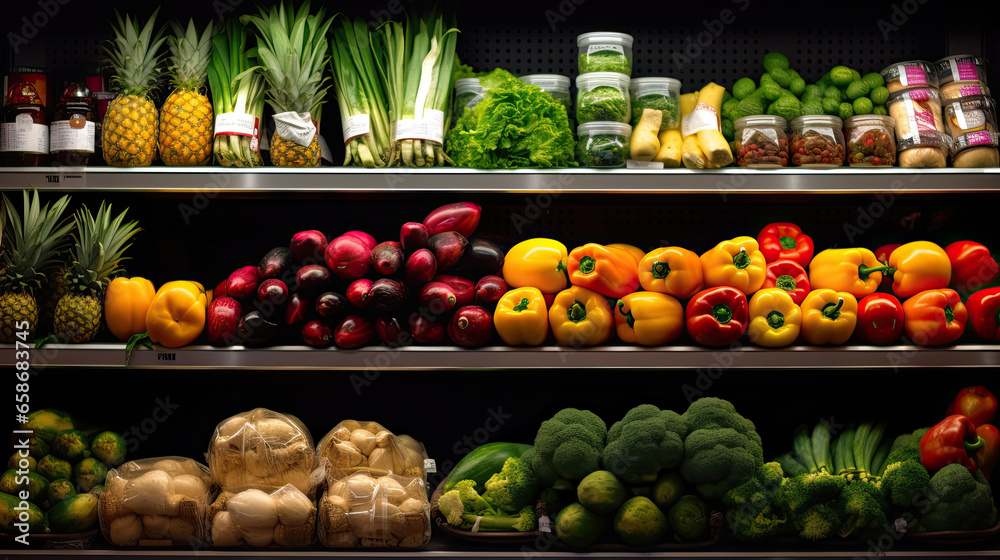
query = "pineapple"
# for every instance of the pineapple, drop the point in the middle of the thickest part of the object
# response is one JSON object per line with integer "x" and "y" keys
{"x": 130, "y": 123}
{"x": 30, "y": 244}
{"x": 99, "y": 245}
{"x": 291, "y": 47}
{"x": 186, "y": 118}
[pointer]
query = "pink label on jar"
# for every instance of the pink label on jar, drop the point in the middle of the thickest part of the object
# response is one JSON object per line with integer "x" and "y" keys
{"x": 925, "y": 120}
{"x": 919, "y": 94}
{"x": 913, "y": 76}
{"x": 964, "y": 69}
{"x": 979, "y": 137}
{"x": 970, "y": 90}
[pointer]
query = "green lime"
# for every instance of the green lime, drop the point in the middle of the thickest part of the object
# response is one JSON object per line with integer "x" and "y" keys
{"x": 841, "y": 76}
{"x": 832, "y": 92}
{"x": 812, "y": 107}
{"x": 774, "y": 60}
{"x": 863, "y": 106}
{"x": 831, "y": 106}
{"x": 846, "y": 111}
{"x": 855, "y": 75}
{"x": 879, "y": 110}
{"x": 858, "y": 88}
{"x": 797, "y": 86}
{"x": 873, "y": 79}
{"x": 879, "y": 95}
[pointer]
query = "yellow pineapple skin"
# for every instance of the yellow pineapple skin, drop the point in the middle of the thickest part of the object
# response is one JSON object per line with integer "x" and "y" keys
{"x": 16, "y": 308}
{"x": 187, "y": 128}
{"x": 285, "y": 153}
{"x": 129, "y": 135}
{"x": 78, "y": 318}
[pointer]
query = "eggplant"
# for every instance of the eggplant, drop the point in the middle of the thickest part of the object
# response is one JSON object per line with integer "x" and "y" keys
{"x": 388, "y": 295}
{"x": 489, "y": 290}
{"x": 317, "y": 334}
{"x": 242, "y": 284}
{"x": 427, "y": 330}
{"x": 348, "y": 257}
{"x": 354, "y": 331}
{"x": 308, "y": 247}
{"x": 438, "y": 298}
{"x": 387, "y": 258}
{"x": 392, "y": 331}
{"x": 448, "y": 248}
{"x": 313, "y": 279}
{"x": 420, "y": 268}
{"x": 471, "y": 326}
{"x": 276, "y": 263}
{"x": 357, "y": 293}
{"x": 465, "y": 289}
{"x": 460, "y": 217}
{"x": 413, "y": 236}
{"x": 331, "y": 305}
{"x": 480, "y": 258}
{"x": 256, "y": 329}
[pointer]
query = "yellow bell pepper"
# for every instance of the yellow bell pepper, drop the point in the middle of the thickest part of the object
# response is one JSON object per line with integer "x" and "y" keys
{"x": 855, "y": 271}
{"x": 537, "y": 263}
{"x": 736, "y": 262}
{"x": 671, "y": 270}
{"x": 775, "y": 320}
{"x": 829, "y": 316}
{"x": 649, "y": 318}
{"x": 580, "y": 317}
{"x": 636, "y": 252}
{"x": 176, "y": 316}
{"x": 125, "y": 306}
{"x": 521, "y": 318}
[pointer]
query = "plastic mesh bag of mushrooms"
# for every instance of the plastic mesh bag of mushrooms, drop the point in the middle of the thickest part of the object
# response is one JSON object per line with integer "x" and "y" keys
{"x": 283, "y": 517}
{"x": 356, "y": 445}
{"x": 371, "y": 510}
{"x": 262, "y": 449}
{"x": 156, "y": 502}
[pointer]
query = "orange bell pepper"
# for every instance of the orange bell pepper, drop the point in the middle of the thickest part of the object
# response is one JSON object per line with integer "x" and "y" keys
{"x": 609, "y": 271}
{"x": 636, "y": 252}
{"x": 828, "y": 317}
{"x": 736, "y": 262}
{"x": 855, "y": 271}
{"x": 919, "y": 266}
{"x": 176, "y": 316}
{"x": 934, "y": 317}
{"x": 125, "y": 306}
{"x": 671, "y": 270}
{"x": 649, "y": 318}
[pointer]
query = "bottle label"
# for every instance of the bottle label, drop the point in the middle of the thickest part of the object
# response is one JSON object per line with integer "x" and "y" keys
{"x": 25, "y": 137}
{"x": 74, "y": 135}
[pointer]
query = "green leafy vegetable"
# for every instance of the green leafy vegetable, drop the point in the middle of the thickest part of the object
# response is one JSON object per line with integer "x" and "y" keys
{"x": 603, "y": 103}
{"x": 602, "y": 150}
{"x": 605, "y": 61}
{"x": 658, "y": 102}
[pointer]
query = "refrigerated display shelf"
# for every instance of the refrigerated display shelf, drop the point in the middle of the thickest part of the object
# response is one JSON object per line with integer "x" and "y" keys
{"x": 501, "y": 357}
{"x": 217, "y": 180}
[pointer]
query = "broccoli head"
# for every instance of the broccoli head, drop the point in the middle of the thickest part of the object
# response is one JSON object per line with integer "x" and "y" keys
{"x": 568, "y": 445}
{"x": 471, "y": 500}
{"x": 722, "y": 448}
{"x": 514, "y": 487}
{"x": 903, "y": 481}
{"x": 801, "y": 492}
{"x": 642, "y": 443}
{"x": 753, "y": 510}
{"x": 905, "y": 448}
{"x": 820, "y": 521}
{"x": 864, "y": 507}
{"x": 957, "y": 500}
{"x": 451, "y": 507}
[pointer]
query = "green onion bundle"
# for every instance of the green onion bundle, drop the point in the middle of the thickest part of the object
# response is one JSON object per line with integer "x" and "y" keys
{"x": 234, "y": 90}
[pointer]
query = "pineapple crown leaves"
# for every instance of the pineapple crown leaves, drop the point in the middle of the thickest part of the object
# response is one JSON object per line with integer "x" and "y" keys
{"x": 291, "y": 47}
{"x": 189, "y": 55}
{"x": 134, "y": 55}
{"x": 33, "y": 239}
{"x": 100, "y": 244}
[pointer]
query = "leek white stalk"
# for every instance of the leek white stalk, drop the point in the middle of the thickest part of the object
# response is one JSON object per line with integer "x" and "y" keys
{"x": 234, "y": 90}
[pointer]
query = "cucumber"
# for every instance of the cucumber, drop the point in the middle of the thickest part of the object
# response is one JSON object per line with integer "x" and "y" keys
{"x": 483, "y": 462}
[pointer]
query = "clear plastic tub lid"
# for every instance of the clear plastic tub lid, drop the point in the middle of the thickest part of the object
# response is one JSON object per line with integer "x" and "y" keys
{"x": 977, "y": 139}
{"x": 646, "y": 86}
{"x": 604, "y": 127}
{"x": 761, "y": 120}
{"x": 590, "y": 80}
{"x": 863, "y": 120}
{"x": 960, "y": 67}
{"x": 468, "y": 85}
{"x": 817, "y": 120}
{"x": 915, "y": 94}
{"x": 548, "y": 82}
{"x": 604, "y": 37}
{"x": 911, "y": 73}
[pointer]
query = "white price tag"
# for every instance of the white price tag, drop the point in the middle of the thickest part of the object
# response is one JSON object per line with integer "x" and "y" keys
{"x": 430, "y": 466}
{"x": 637, "y": 164}
{"x": 356, "y": 125}
{"x": 703, "y": 117}
{"x": 24, "y": 137}
{"x": 72, "y": 135}
{"x": 295, "y": 127}
{"x": 431, "y": 127}
{"x": 544, "y": 525}
{"x": 237, "y": 124}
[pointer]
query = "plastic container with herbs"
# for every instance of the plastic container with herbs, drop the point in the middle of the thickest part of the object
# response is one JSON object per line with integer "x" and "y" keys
{"x": 659, "y": 94}
{"x": 761, "y": 142}
{"x": 603, "y": 144}
{"x": 909, "y": 74}
{"x": 74, "y": 127}
{"x": 605, "y": 51}
{"x": 468, "y": 93}
{"x": 870, "y": 141}
{"x": 817, "y": 141}
{"x": 555, "y": 85}
{"x": 975, "y": 149}
{"x": 24, "y": 133}
{"x": 602, "y": 96}
{"x": 921, "y": 140}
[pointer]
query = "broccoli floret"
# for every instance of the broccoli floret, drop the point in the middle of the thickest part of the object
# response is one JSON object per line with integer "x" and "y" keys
{"x": 722, "y": 449}
{"x": 752, "y": 509}
{"x": 958, "y": 501}
{"x": 905, "y": 448}
{"x": 902, "y": 481}
{"x": 525, "y": 520}
{"x": 569, "y": 445}
{"x": 864, "y": 507}
{"x": 801, "y": 492}
{"x": 820, "y": 521}
{"x": 642, "y": 443}
{"x": 514, "y": 487}
{"x": 472, "y": 502}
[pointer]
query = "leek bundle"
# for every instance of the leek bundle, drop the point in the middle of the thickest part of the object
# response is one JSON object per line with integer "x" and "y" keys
{"x": 238, "y": 93}
{"x": 360, "y": 95}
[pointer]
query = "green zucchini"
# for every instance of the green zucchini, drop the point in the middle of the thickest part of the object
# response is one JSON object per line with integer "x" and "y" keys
{"x": 483, "y": 462}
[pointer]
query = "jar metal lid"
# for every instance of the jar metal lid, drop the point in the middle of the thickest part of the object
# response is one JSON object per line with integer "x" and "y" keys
{"x": 859, "y": 120}
{"x": 761, "y": 120}
{"x": 609, "y": 37}
{"x": 594, "y": 79}
{"x": 556, "y": 82}
{"x": 946, "y": 73}
{"x": 604, "y": 127}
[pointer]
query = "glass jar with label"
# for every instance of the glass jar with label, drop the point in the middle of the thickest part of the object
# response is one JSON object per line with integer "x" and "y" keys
{"x": 909, "y": 74}
{"x": 24, "y": 133}
{"x": 761, "y": 142}
{"x": 870, "y": 141}
{"x": 73, "y": 131}
{"x": 960, "y": 68}
{"x": 817, "y": 141}
{"x": 921, "y": 140}
{"x": 604, "y": 51}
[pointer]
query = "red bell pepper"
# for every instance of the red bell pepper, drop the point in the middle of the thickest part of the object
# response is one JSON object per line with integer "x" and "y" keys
{"x": 989, "y": 454}
{"x": 782, "y": 240}
{"x": 717, "y": 316}
{"x": 984, "y": 313}
{"x": 934, "y": 317}
{"x": 880, "y": 319}
{"x": 789, "y": 276}
{"x": 972, "y": 267}
{"x": 882, "y": 254}
{"x": 954, "y": 440}
{"x": 976, "y": 403}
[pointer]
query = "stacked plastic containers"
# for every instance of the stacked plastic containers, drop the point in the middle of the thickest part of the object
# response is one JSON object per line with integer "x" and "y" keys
{"x": 603, "y": 110}
{"x": 969, "y": 111}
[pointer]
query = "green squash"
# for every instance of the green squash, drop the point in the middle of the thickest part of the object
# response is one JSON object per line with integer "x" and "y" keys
{"x": 52, "y": 467}
{"x": 109, "y": 447}
{"x": 36, "y": 485}
{"x": 71, "y": 445}
{"x": 75, "y": 514}
{"x": 640, "y": 523}
{"x": 59, "y": 490}
{"x": 15, "y": 460}
{"x": 48, "y": 422}
{"x": 577, "y": 526}
{"x": 88, "y": 473}
{"x": 9, "y": 515}
{"x": 601, "y": 492}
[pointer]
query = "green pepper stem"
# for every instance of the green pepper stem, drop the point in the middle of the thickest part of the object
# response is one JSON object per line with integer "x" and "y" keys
{"x": 785, "y": 282}
{"x": 949, "y": 315}
{"x": 723, "y": 314}
{"x": 660, "y": 270}
{"x": 741, "y": 260}
{"x": 833, "y": 313}
{"x": 775, "y": 320}
{"x": 522, "y": 306}
{"x": 787, "y": 242}
{"x": 971, "y": 449}
{"x": 577, "y": 312}
{"x": 865, "y": 271}
{"x": 628, "y": 315}
{"x": 587, "y": 265}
